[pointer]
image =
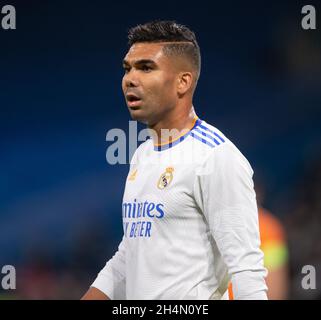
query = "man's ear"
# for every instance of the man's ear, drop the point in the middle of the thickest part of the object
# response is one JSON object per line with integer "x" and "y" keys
{"x": 184, "y": 82}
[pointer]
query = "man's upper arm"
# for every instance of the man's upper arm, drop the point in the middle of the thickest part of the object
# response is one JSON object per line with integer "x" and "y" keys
{"x": 229, "y": 205}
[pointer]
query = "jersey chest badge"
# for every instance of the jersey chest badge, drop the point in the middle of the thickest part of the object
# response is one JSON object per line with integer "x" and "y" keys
{"x": 165, "y": 178}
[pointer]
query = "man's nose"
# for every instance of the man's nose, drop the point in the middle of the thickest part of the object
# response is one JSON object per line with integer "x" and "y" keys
{"x": 131, "y": 79}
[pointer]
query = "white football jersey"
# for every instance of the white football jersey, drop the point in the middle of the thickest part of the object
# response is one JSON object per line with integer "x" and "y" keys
{"x": 190, "y": 223}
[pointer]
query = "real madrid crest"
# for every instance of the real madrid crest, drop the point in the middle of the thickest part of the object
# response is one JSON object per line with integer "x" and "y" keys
{"x": 165, "y": 178}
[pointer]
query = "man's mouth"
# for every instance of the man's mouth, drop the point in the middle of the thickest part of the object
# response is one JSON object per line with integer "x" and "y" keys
{"x": 133, "y": 101}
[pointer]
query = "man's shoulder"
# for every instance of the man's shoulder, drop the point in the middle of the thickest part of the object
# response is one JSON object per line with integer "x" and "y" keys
{"x": 221, "y": 148}
{"x": 208, "y": 127}
{"x": 142, "y": 149}
{"x": 208, "y": 137}
{"x": 147, "y": 144}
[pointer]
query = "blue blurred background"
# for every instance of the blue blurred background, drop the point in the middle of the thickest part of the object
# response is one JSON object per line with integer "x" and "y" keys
{"x": 60, "y": 93}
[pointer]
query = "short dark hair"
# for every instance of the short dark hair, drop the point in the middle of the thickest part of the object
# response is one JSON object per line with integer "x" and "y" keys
{"x": 184, "y": 40}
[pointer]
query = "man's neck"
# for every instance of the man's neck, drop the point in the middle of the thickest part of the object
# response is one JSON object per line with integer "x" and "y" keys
{"x": 171, "y": 128}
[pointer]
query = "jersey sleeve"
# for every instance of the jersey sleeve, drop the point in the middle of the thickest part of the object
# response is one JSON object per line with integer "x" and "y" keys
{"x": 111, "y": 279}
{"x": 224, "y": 190}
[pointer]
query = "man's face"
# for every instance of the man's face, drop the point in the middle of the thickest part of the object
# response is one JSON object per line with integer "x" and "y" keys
{"x": 149, "y": 82}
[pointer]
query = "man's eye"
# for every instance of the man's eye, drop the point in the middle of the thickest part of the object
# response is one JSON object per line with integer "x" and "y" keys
{"x": 146, "y": 68}
{"x": 126, "y": 70}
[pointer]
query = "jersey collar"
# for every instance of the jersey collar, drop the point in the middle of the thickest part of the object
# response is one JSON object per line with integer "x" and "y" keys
{"x": 168, "y": 145}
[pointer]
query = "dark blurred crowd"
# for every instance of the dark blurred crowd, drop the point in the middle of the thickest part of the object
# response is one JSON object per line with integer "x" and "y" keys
{"x": 46, "y": 274}
{"x": 303, "y": 225}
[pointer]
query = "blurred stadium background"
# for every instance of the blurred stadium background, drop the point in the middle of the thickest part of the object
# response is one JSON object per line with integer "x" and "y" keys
{"x": 60, "y": 217}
